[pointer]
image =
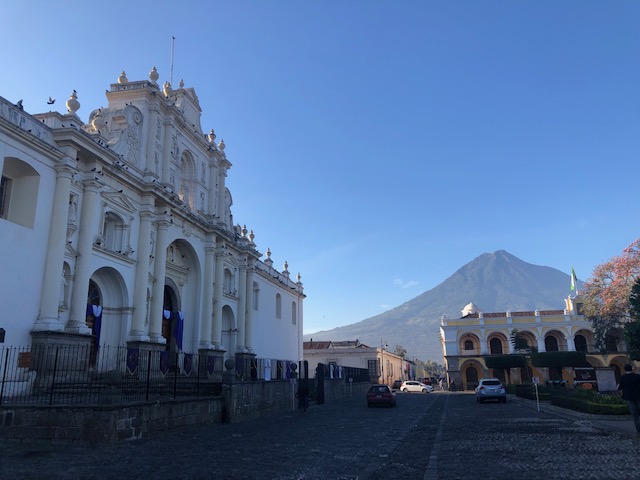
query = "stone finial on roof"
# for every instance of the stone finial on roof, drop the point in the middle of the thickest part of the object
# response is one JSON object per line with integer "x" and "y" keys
{"x": 181, "y": 84}
{"x": 251, "y": 236}
{"x": 73, "y": 105}
{"x": 212, "y": 136}
{"x": 268, "y": 260}
{"x": 123, "y": 78}
{"x": 285, "y": 267}
{"x": 221, "y": 145}
{"x": 299, "y": 278}
{"x": 153, "y": 75}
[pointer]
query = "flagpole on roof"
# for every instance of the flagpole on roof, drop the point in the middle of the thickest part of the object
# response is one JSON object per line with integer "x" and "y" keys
{"x": 173, "y": 40}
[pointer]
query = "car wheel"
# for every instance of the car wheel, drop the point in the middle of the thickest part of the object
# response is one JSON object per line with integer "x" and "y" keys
{"x": 404, "y": 390}
{"x": 424, "y": 390}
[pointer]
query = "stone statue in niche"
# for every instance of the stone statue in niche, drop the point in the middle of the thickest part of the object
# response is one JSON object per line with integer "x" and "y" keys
{"x": 73, "y": 210}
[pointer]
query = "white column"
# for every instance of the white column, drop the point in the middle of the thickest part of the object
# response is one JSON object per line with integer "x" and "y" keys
{"x": 149, "y": 154}
{"x": 157, "y": 300}
{"x": 248, "y": 320}
{"x": 242, "y": 304}
{"x": 216, "y": 334}
{"x": 48, "y": 319}
{"x": 483, "y": 343}
{"x": 207, "y": 298}
{"x": 571, "y": 344}
{"x": 138, "y": 331}
{"x": 166, "y": 152}
{"x": 221, "y": 192}
{"x": 89, "y": 228}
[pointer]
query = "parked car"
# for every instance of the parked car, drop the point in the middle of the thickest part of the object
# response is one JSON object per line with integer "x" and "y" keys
{"x": 380, "y": 395}
{"x": 414, "y": 386}
{"x": 490, "y": 389}
{"x": 396, "y": 385}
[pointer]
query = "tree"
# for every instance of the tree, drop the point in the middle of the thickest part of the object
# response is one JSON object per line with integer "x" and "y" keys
{"x": 401, "y": 351}
{"x": 632, "y": 328}
{"x": 607, "y": 294}
{"x": 518, "y": 341}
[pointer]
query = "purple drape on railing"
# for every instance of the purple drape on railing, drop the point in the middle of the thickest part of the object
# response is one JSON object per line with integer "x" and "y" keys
{"x": 133, "y": 359}
{"x": 187, "y": 364}
{"x": 178, "y": 329}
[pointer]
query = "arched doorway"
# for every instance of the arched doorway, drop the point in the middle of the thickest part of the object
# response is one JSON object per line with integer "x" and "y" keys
{"x": 94, "y": 319}
{"x": 170, "y": 306}
{"x": 229, "y": 332}
{"x": 471, "y": 377}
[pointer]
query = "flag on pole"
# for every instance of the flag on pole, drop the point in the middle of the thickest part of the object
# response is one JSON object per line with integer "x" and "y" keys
{"x": 574, "y": 280}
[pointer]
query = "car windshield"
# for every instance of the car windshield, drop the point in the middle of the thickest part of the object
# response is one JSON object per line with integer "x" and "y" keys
{"x": 382, "y": 389}
{"x": 491, "y": 382}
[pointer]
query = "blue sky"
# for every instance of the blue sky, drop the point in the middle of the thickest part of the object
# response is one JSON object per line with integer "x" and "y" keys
{"x": 378, "y": 146}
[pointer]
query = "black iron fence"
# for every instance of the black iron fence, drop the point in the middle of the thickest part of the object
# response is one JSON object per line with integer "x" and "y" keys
{"x": 84, "y": 375}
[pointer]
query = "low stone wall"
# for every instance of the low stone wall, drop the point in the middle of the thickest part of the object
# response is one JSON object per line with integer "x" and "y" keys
{"x": 251, "y": 400}
{"x": 108, "y": 424}
{"x": 337, "y": 388}
{"x": 104, "y": 425}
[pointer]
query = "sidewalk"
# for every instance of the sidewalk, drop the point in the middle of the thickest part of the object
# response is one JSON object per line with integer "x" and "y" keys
{"x": 622, "y": 424}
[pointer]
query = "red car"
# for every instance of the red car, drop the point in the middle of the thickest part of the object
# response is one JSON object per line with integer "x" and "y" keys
{"x": 380, "y": 395}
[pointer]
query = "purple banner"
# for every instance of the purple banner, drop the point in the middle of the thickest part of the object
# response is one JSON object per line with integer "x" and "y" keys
{"x": 133, "y": 359}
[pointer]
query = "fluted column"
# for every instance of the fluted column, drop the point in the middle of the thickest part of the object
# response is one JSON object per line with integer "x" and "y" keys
{"x": 248, "y": 321}
{"x": 138, "y": 331}
{"x": 167, "y": 152}
{"x": 89, "y": 228}
{"x": 242, "y": 304}
{"x": 207, "y": 298}
{"x": 48, "y": 319}
{"x": 157, "y": 300}
{"x": 212, "y": 182}
{"x": 216, "y": 334}
{"x": 150, "y": 148}
{"x": 221, "y": 195}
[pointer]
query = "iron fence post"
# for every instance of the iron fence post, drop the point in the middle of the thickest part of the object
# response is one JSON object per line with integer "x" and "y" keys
{"x": 148, "y": 375}
{"x": 4, "y": 375}
{"x": 53, "y": 379}
{"x": 175, "y": 378}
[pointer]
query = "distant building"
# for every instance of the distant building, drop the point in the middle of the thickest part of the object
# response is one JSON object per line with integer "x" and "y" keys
{"x": 469, "y": 340}
{"x": 119, "y": 232}
{"x": 383, "y": 366}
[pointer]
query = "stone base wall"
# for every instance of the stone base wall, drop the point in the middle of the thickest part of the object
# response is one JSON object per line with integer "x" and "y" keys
{"x": 337, "y": 389}
{"x": 109, "y": 424}
{"x": 104, "y": 425}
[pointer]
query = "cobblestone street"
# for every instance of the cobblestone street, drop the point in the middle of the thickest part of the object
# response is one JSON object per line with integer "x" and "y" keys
{"x": 433, "y": 436}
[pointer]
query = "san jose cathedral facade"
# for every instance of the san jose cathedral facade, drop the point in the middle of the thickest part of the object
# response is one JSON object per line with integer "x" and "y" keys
{"x": 119, "y": 232}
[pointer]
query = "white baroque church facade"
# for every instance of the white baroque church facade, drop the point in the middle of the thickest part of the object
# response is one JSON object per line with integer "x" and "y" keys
{"x": 119, "y": 232}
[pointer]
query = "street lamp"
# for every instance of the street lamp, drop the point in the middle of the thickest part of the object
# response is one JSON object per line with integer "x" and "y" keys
{"x": 382, "y": 347}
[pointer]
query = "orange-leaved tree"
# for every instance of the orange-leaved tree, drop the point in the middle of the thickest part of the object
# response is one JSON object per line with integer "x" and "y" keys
{"x": 606, "y": 294}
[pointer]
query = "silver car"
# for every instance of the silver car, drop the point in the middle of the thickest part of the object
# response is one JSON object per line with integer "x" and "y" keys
{"x": 491, "y": 389}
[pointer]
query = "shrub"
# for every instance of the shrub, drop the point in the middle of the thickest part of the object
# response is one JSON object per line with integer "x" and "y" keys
{"x": 559, "y": 359}
{"x": 589, "y": 401}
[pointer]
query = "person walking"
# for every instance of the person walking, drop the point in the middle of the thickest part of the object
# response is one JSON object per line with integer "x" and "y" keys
{"x": 303, "y": 396}
{"x": 630, "y": 386}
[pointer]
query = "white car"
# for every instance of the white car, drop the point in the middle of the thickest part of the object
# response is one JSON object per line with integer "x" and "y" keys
{"x": 413, "y": 386}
